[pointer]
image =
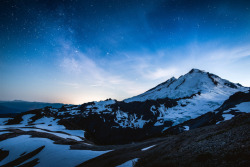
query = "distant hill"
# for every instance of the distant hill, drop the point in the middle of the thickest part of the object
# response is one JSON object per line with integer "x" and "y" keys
{"x": 18, "y": 106}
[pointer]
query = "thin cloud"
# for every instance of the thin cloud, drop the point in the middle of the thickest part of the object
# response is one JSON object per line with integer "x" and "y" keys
{"x": 130, "y": 74}
{"x": 79, "y": 64}
{"x": 161, "y": 73}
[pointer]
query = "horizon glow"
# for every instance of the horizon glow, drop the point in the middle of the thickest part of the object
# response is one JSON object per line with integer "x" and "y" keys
{"x": 79, "y": 51}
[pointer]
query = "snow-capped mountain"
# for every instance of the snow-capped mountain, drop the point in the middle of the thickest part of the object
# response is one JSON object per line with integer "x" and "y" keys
{"x": 193, "y": 83}
{"x": 67, "y": 136}
{"x": 193, "y": 96}
{"x": 197, "y": 93}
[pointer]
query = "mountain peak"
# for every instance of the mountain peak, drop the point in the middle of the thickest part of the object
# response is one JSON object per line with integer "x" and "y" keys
{"x": 195, "y": 70}
{"x": 172, "y": 78}
{"x": 194, "y": 82}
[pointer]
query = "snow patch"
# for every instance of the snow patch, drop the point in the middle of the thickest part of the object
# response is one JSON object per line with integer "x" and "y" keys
{"x": 26, "y": 119}
{"x": 129, "y": 120}
{"x": 101, "y": 106}
{"x": 159, "y": 123}
{"x": 186, "y": 128}
{"x": 3, "y": 132}
{"x": 51, "y": 124}
{"x": 129, "y": 163}
{"x": 144, "y": 149}
{"x": 4, "y": 120}
{"x": 242, "y": 107}
{"x": 227, "y": 116}
{"x": 62, "y": 135}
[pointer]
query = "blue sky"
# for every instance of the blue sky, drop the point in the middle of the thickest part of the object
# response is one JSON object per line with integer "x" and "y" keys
{"x": 79, "y": 51}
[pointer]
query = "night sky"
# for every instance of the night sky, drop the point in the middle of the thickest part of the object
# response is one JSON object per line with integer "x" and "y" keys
{"x": 78, "y": 51}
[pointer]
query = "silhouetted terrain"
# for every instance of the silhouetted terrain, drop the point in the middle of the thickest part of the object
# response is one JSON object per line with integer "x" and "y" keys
{"x": 18, "y": 106}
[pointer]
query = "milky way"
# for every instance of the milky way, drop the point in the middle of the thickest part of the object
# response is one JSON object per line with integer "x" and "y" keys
{"x": 76, "y": 51}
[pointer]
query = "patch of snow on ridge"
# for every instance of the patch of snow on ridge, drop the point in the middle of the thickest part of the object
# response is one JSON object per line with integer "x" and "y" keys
{"x": 53, "y": 110}
{"x": 159, "y": 123}
{"x": 101, "y": 106}
{"x": 49, "y": 123}
{"x": 243, "y": 107}
{"x": 26, "y": 118}
{"x": 62, "y": 135}
{"x": 186, "y": 128}
{"x": 153, "y": 109}
{"x": 4, "y": 120}
{"x": 70, "y": 112}
{"x": 144, "y": 149}
{"x": 227, "y": 116}
{"x": 3, "y": 132}
{"x": 129, "y": 120}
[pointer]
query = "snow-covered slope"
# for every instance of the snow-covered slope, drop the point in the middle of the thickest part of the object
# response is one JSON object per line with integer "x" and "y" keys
{"x": 194, "y": 82}
{"x": 43, "y": 142}
{"x": 197, "y": 92}
{"x": 51, "y": 155}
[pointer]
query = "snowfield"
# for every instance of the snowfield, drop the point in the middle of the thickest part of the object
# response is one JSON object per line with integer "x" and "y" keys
{"x": 52, "y": 155}
{"x": 51, "y": 124}
{"x": 3, "y": 120}
{"x": 227, "y": 116}
{"x": 26, "y": 119}
{"x": 46, "y": 123}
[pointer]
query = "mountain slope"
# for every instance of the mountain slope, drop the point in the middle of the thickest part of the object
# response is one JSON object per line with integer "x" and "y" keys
{"x": 197, "y": 93}
{"x": 194, "y": 97}
{"x": 194, "y": 82}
